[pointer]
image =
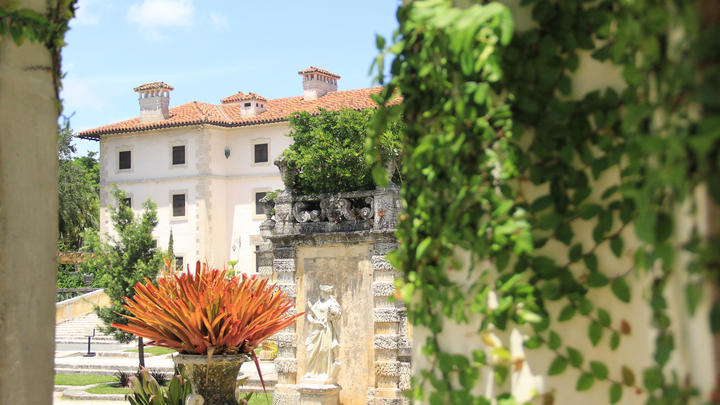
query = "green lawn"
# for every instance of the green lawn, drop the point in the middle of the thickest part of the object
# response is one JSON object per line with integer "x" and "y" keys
{"x": 109, "y": 389}
{"x": 154, "y": 350}
{"x": 259, "y": 399}
{"x": 82, "y": 379}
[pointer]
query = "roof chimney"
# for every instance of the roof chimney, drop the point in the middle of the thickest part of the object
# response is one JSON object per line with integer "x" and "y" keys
{"x": 252, "y": 104}
{"x": 154, "y": 101}
{"x": 318, "y": 82}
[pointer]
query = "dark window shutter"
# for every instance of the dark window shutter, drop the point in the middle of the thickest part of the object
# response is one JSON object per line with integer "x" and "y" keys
{"x": 178, "y": 155}
{"x": 261, "y": 153}
{"x": 125, "y": 160}
{"x": 178, "y": 201}
{"x": 258, "y": 205}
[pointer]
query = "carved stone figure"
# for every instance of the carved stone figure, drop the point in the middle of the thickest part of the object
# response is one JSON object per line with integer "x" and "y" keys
{"x": 322, "y": 343}
{"x": 336, "y": 209}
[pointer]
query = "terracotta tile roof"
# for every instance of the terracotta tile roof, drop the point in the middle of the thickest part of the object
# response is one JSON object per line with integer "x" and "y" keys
{"x": 240, "y": 96}
{"x": 229, "y": 115}
{"x": 313, "y": 69}
{"x": 154, "y": 86}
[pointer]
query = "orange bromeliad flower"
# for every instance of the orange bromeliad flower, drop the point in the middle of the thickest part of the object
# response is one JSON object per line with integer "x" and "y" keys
{"x": 192, "y": 313}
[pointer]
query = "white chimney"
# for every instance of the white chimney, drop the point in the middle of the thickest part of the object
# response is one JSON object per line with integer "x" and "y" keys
{"x": 252, "y": 104}
{"x": 318, "y": 82}
{"x": 154, "y": 101}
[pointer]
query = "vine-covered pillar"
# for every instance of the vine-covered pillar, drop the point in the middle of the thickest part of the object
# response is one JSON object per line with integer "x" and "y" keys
{"x": 28, "y": 204}
{"x": 551, "y": 245}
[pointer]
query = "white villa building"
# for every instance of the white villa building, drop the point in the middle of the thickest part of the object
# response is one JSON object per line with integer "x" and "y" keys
{"x": 206, "y": 165}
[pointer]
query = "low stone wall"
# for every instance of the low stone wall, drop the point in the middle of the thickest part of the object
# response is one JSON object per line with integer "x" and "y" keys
{"x": 76, "y": 307}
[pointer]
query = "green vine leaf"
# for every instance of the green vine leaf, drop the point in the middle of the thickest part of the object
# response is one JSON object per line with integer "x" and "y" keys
{"x": 652, "y": 378}
{"x": 600, "y": 370}
{"x": 589, "y": 211}
{"x": 575, "y": 253}
{"x": 591, "y": 261}
{"x": 614, "y": 341}
{"x": 422, "y": 248}
{"x": 585, "y": 306}
{"x": 621, "y": 289}
{"x": 558, "y": 366}
{"x": 597, "y": 280}
{"x": 585, "y": 382}
{"x": 616, "y": 392}
{"x": 554, "y": 342}
{"x": 616, "y": 245}
{"x": 574, "y": 357}
{"x": 567, "y": 313}
{"x": 550, "y": 221}
{"x": 604, "y": 317}
{"x": 595, "y": 332}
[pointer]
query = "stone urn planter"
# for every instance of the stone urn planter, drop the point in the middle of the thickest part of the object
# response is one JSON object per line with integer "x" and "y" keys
{"x": 214, "y": 380}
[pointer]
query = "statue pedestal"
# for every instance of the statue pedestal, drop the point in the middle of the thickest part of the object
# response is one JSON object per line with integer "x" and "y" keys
{"x": 318, "y": 394}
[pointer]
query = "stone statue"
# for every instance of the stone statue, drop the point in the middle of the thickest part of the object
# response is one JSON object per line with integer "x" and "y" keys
{"x": 322, "y": 345}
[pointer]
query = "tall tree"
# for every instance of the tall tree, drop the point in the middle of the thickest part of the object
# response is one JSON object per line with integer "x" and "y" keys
{"x": 78, "y": 200}
{"x": 128, "y": 256}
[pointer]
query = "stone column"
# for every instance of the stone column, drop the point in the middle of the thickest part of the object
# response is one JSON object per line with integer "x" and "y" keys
{"x": 392, "y": 354}
{"x": 286, "y": 362}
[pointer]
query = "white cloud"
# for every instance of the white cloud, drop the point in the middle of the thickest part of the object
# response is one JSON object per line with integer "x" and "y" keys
{"x": 219, "y": 22}
{"x": 154, "y": 14}
{"x": 84, "y": 14}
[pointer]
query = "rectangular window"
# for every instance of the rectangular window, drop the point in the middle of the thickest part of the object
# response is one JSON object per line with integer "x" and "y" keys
{"x": 125, "y": 160}
{"x": 261, "y": 153}
{"x": 178, "y": 155}
{"x": 154, "y": 243}
{"x": 178, "y": 205}
{"x": 258, "y": 205}
{"x": 179, "y": 262}
{"x": 127, "y": 202}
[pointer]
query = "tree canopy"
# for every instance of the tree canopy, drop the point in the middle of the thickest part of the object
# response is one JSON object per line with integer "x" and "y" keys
{"x": 328, "y": 152}
{"x": 78, "y": 200}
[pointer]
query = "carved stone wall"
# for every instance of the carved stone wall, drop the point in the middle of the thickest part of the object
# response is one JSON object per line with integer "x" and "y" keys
{"x": 341, "y": 239}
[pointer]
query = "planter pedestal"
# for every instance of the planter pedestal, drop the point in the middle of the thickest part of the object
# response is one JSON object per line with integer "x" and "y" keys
{"x": 215, "y": 381}
{"x": 318, "y": 394}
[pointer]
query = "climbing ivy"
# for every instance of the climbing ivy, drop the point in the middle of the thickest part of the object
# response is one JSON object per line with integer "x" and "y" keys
{"x": 49, "y": 29}
{"x": 506, "y": 158}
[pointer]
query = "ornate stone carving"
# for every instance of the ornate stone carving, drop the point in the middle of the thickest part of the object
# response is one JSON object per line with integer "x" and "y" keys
{"x": 302, "y": 213}
{"x": 286, "y": 173}
{"x": 368, "y": 211}
{"x": 336, "y": 209}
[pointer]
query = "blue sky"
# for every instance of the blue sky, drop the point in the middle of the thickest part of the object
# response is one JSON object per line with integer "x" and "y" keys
{"x": 210, "y": 49}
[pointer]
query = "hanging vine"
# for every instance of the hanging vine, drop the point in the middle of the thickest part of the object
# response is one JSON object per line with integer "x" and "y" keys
{"x": 504, "y": 158}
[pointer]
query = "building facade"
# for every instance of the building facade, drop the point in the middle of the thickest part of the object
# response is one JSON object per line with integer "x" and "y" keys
{"x": 206, "y": 165}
